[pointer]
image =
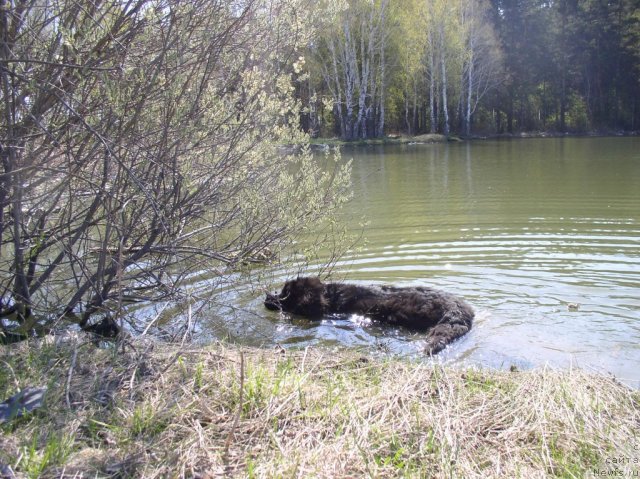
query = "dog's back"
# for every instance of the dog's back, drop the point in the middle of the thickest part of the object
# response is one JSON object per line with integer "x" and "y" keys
{"x": 418, "y": 308}
{"x": 444, "y": 315}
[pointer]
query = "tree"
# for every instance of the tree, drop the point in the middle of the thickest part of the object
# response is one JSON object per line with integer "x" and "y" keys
{"x": 482, "y": 65}
{"x": 571, "y": 65}
{"x": 409, "y": 47}
{"x": 445, "y": 44}
{"x": 606, "y": 60}
{"x": 139, "y": 143}
{"x": 351, "y": 53}
{"x": 389, "y": 60}
{"x": 523, "y": 30}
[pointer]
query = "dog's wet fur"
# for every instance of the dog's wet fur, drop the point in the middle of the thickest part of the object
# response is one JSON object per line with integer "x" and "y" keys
{"x": 446, "y": 317}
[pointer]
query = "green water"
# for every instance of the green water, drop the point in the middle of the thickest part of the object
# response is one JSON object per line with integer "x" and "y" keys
{"x": 520, "y": 228}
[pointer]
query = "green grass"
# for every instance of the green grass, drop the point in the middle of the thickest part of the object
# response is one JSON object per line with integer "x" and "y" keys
{"x": 35, "y": 458}
{"x": 158, "y": 409}
{"x": 146, "y": 421}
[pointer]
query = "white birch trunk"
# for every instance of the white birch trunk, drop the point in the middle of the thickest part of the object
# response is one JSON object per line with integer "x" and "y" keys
{"x": 443, "y": 71}
{"x": 432, "y": 85}
{"x": 470, "y": 80}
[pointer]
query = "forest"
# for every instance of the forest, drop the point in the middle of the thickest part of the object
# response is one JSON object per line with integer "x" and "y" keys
{"x": 471, "y": 67}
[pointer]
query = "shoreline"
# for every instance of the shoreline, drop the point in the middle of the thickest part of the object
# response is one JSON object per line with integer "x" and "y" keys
{"x": 428, "y": 138}
{"x": 161, "y": 410}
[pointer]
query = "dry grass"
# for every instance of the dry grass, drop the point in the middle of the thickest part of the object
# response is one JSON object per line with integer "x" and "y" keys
{"x": 161, "y": 411}
{"x": 429, "y": 138}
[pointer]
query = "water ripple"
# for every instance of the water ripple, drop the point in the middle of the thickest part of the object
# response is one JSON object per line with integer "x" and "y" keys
{"x": 520, "y": 229}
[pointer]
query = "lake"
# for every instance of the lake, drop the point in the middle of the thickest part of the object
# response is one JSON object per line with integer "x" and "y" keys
{"x": 520, "y": 228}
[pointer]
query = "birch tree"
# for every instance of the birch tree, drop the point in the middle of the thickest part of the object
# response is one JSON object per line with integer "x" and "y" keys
{"x": 430, "y": 61}
{"x": 409, "y": 46}
{"x": 482, "y": 61}
{"x": 352, "y": 56}
{"x": 443, "y": 55}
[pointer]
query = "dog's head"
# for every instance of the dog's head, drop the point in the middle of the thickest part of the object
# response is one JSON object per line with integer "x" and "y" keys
{"x": 303, "y": 296}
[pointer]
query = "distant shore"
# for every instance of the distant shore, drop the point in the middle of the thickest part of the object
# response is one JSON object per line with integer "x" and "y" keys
{"x": 398, "y": 139}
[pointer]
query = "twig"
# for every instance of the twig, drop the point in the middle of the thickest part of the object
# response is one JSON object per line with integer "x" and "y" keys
{"x": 188, "y": 329}
{"x": 146, "y": 329}
{"x": 69, "y": 375}
{"x": 306, "y": 350}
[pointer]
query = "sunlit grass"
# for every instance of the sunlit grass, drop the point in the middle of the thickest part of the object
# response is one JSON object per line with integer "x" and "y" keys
{"x": 158, "y": 411}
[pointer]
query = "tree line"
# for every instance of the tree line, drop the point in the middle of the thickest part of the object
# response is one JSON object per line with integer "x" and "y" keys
{"x": 471, "y": 66}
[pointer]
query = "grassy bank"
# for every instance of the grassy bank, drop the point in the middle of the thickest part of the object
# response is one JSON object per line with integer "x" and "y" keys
{"x": 438, "y": 138}
{"x": 166, "y": 411}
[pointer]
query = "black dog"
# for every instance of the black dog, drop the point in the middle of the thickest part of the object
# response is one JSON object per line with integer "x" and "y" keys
{"x": 446, "y": 316}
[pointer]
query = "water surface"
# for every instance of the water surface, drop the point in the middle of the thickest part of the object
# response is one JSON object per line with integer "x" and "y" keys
{"x": 521, "y": 228}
